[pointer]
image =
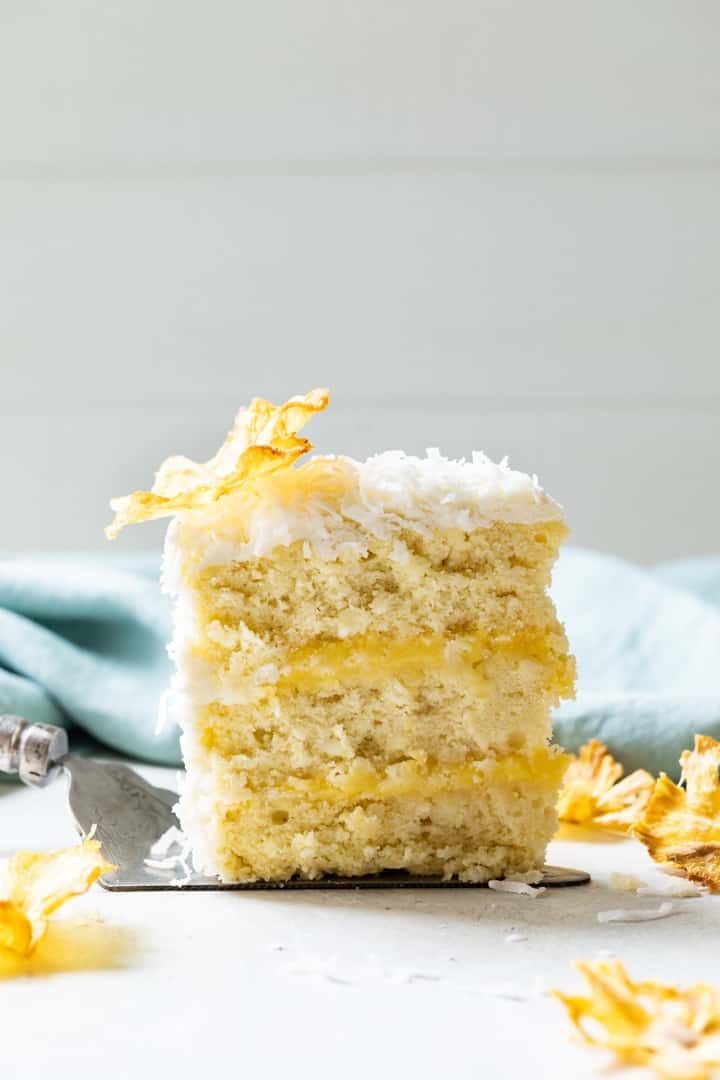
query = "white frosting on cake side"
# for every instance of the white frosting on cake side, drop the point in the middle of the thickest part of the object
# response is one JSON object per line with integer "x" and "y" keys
{"x": 331, "y": 504}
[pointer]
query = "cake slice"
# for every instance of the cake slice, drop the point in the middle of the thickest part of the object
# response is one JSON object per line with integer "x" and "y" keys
{"x": 367, "y": 657}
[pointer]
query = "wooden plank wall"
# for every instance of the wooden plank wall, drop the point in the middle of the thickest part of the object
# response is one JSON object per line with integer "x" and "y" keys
{"x": 482, "y": 224}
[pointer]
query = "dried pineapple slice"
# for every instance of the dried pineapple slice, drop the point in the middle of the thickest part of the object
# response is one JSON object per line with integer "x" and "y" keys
{"x": 620, "y": 807}
{"x": 588, "y": 778}
{"x": 593, "y": 793}
{"x": 35, "y": 884}
{"x": 681, "y": 826}
{"x": 263, "y": 440}
{"x": 674, "y": 1032}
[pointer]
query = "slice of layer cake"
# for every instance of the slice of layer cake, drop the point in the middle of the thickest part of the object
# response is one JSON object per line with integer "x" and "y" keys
{"x": 367, "y": 657}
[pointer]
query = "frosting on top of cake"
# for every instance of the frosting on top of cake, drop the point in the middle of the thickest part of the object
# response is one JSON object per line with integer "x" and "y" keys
{"x": 455, "y": 492}
{"x": 252, "y": 497}
{"x": 331, "y": 504}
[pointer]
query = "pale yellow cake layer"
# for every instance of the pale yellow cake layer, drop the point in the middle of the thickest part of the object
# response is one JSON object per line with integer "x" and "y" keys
{"x": 440, "y": 718}
{"x": 410, "y": 586}
{"x": 475, "y": 821}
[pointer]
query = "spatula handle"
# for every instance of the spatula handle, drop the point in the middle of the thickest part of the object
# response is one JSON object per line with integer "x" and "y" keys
{"x": 31, "y": 751}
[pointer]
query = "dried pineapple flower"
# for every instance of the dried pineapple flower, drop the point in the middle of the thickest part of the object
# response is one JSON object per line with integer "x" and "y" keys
{"x": 590, "y": 775}
{"x": 620, "y": 807}
{"x": 681, "y": 826}
{"x": 35, "y": 884}
{"x": 262, "y": 441}
{"x": 676, "y": 1033}
{"x": 591, "y": 791}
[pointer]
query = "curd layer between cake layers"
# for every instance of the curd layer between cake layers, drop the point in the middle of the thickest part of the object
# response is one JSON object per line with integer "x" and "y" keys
{"x": 367, "y": 659}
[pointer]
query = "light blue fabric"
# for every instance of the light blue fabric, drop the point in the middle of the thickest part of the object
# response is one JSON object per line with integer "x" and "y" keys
{"x": 647, "y": 643}
{"x": 82, "y": 642}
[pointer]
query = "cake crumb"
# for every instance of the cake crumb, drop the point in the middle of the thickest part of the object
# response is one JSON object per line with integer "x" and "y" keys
{"x": 625, "y": 882}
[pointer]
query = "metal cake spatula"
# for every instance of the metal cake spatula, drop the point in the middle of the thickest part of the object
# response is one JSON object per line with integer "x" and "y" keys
{"x": 130, "y": 816}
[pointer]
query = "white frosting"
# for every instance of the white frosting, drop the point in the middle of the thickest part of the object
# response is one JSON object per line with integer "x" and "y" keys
{"x": 387, "y": 493}
{"x": 438, "y": 492}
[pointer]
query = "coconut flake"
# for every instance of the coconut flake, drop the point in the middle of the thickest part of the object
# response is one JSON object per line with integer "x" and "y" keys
{"x": 405, "y": 977}
{"x": 170, "y": 863}
{"x": 520, "y": 888}
{"x": 319, "y": 968}
{"x": 626, "y": 915}
{"x": 675, "y": 887}
{"x": 171, "y": 851}
{"x": 169, "y": 839}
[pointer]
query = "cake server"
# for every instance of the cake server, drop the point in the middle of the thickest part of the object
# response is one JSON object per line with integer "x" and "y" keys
{"x": 130, "y": 816}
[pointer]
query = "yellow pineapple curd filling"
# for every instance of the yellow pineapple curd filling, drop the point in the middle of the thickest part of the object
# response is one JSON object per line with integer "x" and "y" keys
{"x": 544, "y": 769}
{"x": 363, "y": 659}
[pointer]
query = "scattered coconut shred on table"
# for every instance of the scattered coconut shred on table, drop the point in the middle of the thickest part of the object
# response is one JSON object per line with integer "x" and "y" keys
{"x": 520, "y": 888}
{"x": 675, "y": 887}
{"x": 630, "y": 915}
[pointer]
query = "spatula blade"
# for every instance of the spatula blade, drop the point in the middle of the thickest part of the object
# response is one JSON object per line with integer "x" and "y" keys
{"x": 128, "y": 813}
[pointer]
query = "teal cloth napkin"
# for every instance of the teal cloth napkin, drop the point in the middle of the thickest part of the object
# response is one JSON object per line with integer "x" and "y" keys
{"x": 82, "y": 644}
{"x": 647, "y": 643}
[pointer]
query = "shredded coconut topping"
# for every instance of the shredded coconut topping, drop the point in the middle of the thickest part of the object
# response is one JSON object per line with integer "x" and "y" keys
{"x": 332, "y": 503}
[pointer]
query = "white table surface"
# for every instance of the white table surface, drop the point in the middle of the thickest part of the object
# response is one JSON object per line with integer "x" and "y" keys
{"x": 392, "y": 983}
